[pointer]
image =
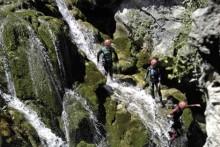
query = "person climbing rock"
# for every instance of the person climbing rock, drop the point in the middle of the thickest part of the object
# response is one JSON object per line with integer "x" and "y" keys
{"x": 176, "y": 114}
{"x": 153, "y": 75}
{"x": 107, "y": 57}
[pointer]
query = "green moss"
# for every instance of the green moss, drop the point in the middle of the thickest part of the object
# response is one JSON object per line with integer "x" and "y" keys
{"x": 124, "y": 129}
{"x": 178, "y": 95}
{"x": 77, "y": 13}
{"x": 139, "y": 77}
{"x": 30, "y": 83}
{"x": 127, "y": 64}
{"x": 84, "y": 144}
{"x": 15, "y": 38}
{"x": 47, "y": 32}
{"x": 123, "y": 46}
{"x": 4, "y": 128}
{"x": 92, "y": 80}
{"x": 143, "y": 57}
{"x": 16, "y": 131}
{"x": 76, "y": 114}
{"x": 111, "y": 107}
{"x": 187, "y": 118}
{"x": 180, "y": 65}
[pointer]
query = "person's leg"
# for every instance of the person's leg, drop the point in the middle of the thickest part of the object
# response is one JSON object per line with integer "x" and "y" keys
{"x": 173, "y": 132}
{"x": 159, "y": 93}
{"x": 106, "y": 68}
{"x": 110, "y": 70}
{"x": 152, "y": 90}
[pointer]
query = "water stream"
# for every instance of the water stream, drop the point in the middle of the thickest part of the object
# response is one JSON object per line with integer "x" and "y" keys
{"x": 47, "y": 137}
{"x": 136, "y": 99}
{"x": 98, "y": 138}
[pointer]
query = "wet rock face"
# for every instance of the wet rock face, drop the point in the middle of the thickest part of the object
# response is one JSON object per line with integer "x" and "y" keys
{"x": 205, "y": 37}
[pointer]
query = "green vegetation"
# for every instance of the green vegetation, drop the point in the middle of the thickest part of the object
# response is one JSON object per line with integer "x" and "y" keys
{"x": 92, "y": 80}
{"x": 123, "y": 128}
{"x": 15, "y": 130}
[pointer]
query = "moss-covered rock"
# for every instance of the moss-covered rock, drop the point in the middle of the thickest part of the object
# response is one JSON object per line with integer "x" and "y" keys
{"x": 84, "y": 144}
{"x": 127, "y": 63}
{"x": 77, "y": 13}
{"x": 80, "y": 127}
{"x": 16, "y": 42}
{"x": 123, "y": 128}
{"x": 16, "y": 131}
{"x": 175, "y": 93}
{"x": 21, "y": 56}
{"x": 92, "y": 80}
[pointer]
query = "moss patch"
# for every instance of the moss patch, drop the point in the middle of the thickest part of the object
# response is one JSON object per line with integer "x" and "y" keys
{"x": 92, "y": 80}
{"x": 16, "y": 131}
{"x": 178, "y": 95}
{"x": 84, "y": 144}
{"x": 124, "y": 129}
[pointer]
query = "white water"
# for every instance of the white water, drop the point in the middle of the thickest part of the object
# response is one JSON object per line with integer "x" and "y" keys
{"x": 44, "y": 133}
{"x": 46, "y": 136}
{"x": 142, "y": 104}
{"x": 58, "y": 53}
{"x": 37, "y": 54}
{"x": 137, "y": 100}
{"x": 80, "y": 34}
{"x": 66, "y": 123}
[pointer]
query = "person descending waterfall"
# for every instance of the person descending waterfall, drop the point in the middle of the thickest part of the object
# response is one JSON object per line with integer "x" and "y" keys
{"x": 176, "y": 114}
{"x": 153, "y": 75}
{"x": 107, "y": 51}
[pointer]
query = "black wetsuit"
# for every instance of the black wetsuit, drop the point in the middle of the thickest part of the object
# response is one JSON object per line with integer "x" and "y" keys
{"x": 107, "y": 59}
{"x": 154, "y": 78}
{"x": 176, "y": 119}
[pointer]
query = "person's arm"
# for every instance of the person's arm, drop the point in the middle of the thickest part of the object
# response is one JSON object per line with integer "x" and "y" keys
{"x": 174, "y": 110}
{"x": 193, "y": 105}
{"x": 159, "y": 75}
{"x": 170, "y": 115}
{"x": 98, "y": 54}
{"x": 146, "y": 74}
{"x": 116, "y": 56}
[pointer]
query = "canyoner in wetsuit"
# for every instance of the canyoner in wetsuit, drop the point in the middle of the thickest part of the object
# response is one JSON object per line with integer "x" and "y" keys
{"x": 107, "y": 61}
{"x": 153, "y": 75}
{"x": 176, "y": 114}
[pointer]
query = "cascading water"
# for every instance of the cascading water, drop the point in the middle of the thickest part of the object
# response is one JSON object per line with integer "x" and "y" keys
{"x": 83, "y": 42}
{"x": 66, "y": 123}
{"x": 142, "y": 104}
{"x": 58, "y": 53}
{"x": 80, "y": 35}
{"x": 46, "y": 136}
{"x": 37, "y": 53}
{"x": 136, "y": 99}
{"x": 98, "y": 138}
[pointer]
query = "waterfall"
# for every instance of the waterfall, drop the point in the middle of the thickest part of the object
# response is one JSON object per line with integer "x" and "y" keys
{"x": 38, "y": 54}
{"x": 44, "y": 133}
{"x": 98, "y": 139}
{"x": 137, "y": 100}
{"x": 80, "y": 35}
{"x": 142, "y": 104}
{"x": 66, "y": 123}
{"x": 47, "y": 137}
{"x": 57, "y": 50}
